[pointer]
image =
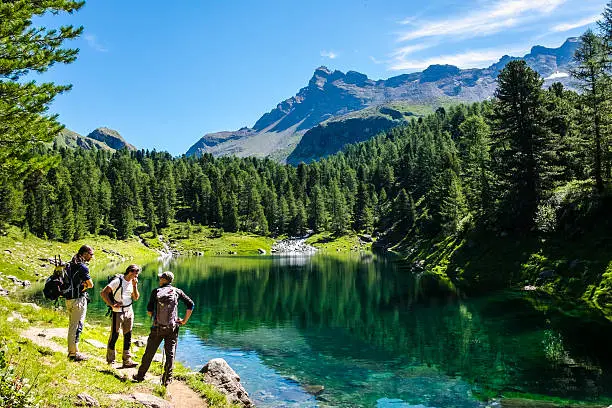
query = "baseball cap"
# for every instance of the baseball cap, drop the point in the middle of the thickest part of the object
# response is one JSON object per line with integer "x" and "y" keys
{"x": 169, "y": 276}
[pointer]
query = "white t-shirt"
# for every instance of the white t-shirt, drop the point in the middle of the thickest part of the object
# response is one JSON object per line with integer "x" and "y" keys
{"x": 127, "y": 290}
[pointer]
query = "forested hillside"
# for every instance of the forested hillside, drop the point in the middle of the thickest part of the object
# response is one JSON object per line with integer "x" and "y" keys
{"x": 521, "y": 163}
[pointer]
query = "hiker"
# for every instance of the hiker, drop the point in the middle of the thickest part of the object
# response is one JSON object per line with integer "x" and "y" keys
{"x": 119, "y": 295}
{"x": 163, "y": 307}
{"x": 77, "y": 299}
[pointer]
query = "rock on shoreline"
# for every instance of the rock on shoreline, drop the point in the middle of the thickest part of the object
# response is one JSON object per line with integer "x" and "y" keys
{"x": 218, "y": 373}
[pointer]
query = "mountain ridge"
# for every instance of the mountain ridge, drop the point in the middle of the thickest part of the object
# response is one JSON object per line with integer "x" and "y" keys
{"x": 332, "y": 94}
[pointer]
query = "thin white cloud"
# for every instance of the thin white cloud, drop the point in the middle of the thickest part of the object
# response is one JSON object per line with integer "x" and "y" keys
{"x": 501, "y": 15}
{"x": 575, "y": 24}
{"x": 409, "y": 20}
{"x": 376, "y": 61}
{"x": 329, "y": 54}
{"x": 471, "y": 59}
{"x": 411, "y": 49}
{"x": 92, "y": 41}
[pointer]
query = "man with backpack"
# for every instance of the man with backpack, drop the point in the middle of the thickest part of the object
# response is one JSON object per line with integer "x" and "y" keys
{"x": 163, "y": 307}
{"x": 119, "y": 294}
{"x": 77, "y": 298}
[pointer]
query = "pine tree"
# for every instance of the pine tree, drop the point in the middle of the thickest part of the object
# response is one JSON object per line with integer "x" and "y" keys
{"x": 475, "y": 146}
{"x": 318, "y": 210}
{"x": 519, "y": 140}
{"x": 338, "y": 211}
{"x": 166, "y": 194}
{"x": 11, "y": 202}
{"x": 231, "y": 220}
{"x": 300, "y": 220}
{"x": 149, "y": 207}
{"x": 270, "y": 202}
{"x": 24, "y": 49}
{"x": 80, "y": 221}
{"x": 122, "y": 214}
{"x": 364, "y": 214}
{"x": 216, "y": 211}
{"x": 104, "y": 196}
{"x": 591, "y": 72}
{"x": 565, "y": 121}
{"x": 261, "y": 223}
{"x": 67, "y": 214}
{"x": 404, "y": 210}
{"x": 284, "y": 217}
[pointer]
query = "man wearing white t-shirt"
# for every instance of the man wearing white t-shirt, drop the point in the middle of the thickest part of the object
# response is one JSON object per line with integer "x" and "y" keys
{"x": 119, "y": 294}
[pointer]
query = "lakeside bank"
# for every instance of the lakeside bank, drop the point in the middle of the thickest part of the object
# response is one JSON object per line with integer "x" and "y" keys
{"x": 33, "y": 344}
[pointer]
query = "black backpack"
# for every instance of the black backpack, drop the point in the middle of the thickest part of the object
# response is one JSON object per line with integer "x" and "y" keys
{"x": 60, "y": 284}
{"x": 111, "y": 278}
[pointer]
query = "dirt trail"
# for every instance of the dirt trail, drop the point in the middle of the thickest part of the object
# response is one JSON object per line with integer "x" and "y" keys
{"x": 180, "y": 395}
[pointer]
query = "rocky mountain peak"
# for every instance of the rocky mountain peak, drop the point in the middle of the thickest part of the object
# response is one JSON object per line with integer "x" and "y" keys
{"x": 435, "y": 73}
{"x": 355, "y": 78}
{"x": 563, "y": 54}
{"x": 322, "y": 71}
{"x": 323, "y": 76}
{"x": 111, "y": 137}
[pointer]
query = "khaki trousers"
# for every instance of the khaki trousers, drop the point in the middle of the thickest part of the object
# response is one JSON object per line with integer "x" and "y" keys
{"x": 77, "y": 309}
{"x": 121, "y": 322}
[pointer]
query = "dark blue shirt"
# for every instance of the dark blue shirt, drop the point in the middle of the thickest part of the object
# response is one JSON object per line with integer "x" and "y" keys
{"x": 79, "y": 273}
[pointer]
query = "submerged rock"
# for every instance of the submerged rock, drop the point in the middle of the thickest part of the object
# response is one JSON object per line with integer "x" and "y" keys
{"x": 218, "y": 373}
{"x": 314, "y": 389}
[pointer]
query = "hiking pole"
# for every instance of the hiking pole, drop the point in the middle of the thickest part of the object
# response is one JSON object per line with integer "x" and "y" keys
{"x": 161, "y": 379}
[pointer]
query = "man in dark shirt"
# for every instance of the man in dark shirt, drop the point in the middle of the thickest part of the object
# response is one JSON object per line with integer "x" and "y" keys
{"x": 76, "y": 300}
{"x": 163, "y": 307}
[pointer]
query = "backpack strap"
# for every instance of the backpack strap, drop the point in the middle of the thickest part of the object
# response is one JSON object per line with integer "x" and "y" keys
{"x": 120, "y": 287}
{"x": 73, "y": 268}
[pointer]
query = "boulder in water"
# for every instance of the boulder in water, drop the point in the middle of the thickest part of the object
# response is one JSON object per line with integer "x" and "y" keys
{"x": 218, "y": 373}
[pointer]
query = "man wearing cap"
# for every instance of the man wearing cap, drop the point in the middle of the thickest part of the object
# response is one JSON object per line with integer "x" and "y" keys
{"x": 163, "y": 308}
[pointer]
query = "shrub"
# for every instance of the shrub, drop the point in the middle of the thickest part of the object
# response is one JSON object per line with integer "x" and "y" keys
{"x": 14, "y": 386}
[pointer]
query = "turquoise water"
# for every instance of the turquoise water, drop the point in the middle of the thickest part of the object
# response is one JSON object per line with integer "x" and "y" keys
{"x": 372, "y": 335}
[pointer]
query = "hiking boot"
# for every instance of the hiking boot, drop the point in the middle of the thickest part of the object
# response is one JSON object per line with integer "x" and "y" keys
{"x": 78, "y": 357}
{"x": 136, "y": 378}
{"x": 129, "y": 363}
{"x": 165, "y": 381}
{"x": 127, "y": 359}
{"x": 110, "y": 356}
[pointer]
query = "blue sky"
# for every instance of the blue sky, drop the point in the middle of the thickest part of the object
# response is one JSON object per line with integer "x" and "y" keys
{"x": 165, "y": 73}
